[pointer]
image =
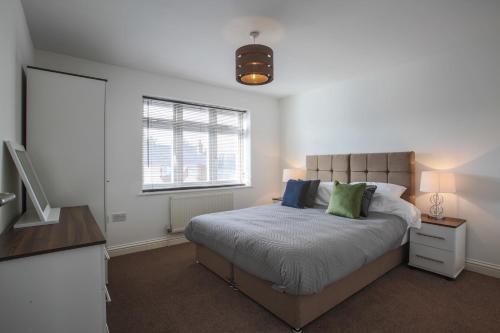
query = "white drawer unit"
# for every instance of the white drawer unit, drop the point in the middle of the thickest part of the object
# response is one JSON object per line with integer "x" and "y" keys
{"x": 434, "y": 235}
{"x": 439, "y": 246}
{"x": 435, "y": 260}
{"x": 52, "y": 278}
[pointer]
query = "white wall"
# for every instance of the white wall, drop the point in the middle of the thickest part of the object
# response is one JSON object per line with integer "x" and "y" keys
{"x": 445, "y": 107}
{"x": 148, "y": 215}
{"x": 16, "y": 50}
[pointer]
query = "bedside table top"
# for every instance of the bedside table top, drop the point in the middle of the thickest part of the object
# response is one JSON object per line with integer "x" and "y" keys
{"x": 450, "y": 222}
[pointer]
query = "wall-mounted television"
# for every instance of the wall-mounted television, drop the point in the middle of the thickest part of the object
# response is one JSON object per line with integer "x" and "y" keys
{"x": 42, "y": 213}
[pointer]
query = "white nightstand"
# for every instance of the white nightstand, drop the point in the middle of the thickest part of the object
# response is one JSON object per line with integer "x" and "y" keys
{"x": 439, "y": 246}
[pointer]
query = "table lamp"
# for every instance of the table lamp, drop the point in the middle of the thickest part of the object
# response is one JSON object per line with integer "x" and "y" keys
{"x": 436, "y": 182}
{"x": 293, "y": 174}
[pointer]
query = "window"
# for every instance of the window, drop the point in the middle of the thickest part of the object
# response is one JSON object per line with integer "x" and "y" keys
{"x": 186, "y": 145}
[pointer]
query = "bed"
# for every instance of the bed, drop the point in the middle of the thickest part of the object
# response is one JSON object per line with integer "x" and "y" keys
{"x": 300, "y": 263}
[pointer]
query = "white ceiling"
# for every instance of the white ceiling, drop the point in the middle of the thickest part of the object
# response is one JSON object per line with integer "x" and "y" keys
{"x": 315, "y": 41}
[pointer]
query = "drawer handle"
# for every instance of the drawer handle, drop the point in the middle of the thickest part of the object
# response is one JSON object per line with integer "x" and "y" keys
{"x": 106, "y": 254}
{"x": 106, "y": 293}
{"x": 431, "y": 236}
{"x": 430, "y": 259}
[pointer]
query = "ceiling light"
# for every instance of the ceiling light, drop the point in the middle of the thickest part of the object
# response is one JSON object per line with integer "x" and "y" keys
{"x": 254, "y": 63}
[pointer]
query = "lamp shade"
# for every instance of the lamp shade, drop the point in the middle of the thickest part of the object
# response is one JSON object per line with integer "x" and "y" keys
{"x": 254, "y": 64}
{"x": 292, "y": 174}
{"x": 437, "y": 182}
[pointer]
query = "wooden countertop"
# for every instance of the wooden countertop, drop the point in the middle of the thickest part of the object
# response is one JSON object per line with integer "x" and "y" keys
{"x": 76, "y": 228}
{"x": 449, "y": 222}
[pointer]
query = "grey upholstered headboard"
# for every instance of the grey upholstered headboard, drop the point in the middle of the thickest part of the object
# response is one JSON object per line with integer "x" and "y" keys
{"x": 395, "y": 168}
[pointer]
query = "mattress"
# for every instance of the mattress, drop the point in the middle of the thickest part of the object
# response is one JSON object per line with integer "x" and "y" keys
{"x": 300, "y": 251}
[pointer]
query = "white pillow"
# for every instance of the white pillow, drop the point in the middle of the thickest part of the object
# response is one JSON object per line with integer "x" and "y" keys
{"x": 324, "y": 193}
{"x": 387, "y": 188}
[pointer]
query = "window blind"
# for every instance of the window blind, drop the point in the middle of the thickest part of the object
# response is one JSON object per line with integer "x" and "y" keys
{"x": 187, "y": 145}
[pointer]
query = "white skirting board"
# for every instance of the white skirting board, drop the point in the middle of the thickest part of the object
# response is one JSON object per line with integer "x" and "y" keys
{"x": 482, "y": 267}
{"x": 149, "y": 244}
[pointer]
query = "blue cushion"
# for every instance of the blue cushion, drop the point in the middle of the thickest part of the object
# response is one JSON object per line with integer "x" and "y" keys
{"x": 295, "y": 193}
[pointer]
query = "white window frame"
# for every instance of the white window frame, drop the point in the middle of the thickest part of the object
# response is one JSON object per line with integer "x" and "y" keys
{"x": 245, "y": 156}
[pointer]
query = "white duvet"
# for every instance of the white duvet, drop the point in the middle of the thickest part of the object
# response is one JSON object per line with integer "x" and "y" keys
{"x": 383, "y": 203}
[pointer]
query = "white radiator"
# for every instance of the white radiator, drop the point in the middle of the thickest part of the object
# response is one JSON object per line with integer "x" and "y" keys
{"x": 183, "y": 208}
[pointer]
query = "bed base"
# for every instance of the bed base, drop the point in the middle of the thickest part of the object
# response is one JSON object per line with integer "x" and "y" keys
{"x": 299, "y": 310}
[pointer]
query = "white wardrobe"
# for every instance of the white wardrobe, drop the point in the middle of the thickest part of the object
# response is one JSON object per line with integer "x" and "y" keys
{"x": 65, "y": 128}
{"x": 65, "y": 137}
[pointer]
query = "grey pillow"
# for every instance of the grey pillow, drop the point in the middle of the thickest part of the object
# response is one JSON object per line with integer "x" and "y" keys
{"x": 367, "y": 199}
{"x": 311, "y": 193}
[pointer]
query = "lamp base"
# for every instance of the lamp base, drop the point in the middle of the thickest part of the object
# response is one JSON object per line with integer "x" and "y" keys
{"x": 436, "y": 210}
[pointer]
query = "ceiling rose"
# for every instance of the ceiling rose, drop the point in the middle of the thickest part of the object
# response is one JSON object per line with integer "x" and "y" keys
{"x": 254, "y": 63}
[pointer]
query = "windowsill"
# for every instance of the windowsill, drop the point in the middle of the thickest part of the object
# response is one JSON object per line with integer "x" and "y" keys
{"x": 228, "y": 188}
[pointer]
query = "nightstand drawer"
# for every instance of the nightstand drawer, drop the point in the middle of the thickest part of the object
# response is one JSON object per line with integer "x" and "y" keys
{"x": 432, "y": 259}
{"x": 435, "y": 236}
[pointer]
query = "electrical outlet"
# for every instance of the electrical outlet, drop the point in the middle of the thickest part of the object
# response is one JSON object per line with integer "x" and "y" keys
{"x": 119, "y": 217}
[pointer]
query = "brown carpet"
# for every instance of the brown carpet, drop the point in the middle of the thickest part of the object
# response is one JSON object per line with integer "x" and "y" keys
{"x": 165, "y": 291}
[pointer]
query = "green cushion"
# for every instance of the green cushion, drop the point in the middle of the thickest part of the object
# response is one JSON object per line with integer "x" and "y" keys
{"x": 346, "y": 200}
